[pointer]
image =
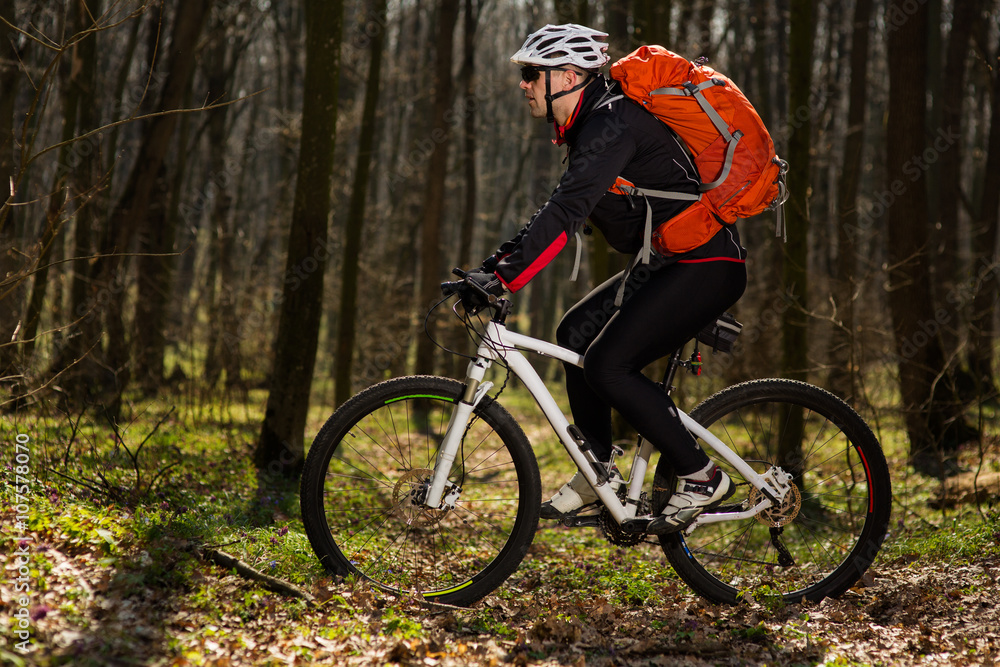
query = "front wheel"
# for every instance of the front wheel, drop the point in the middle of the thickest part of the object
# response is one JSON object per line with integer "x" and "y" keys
{"x": 369, "y": 467}
{"x": 826, "y": 533}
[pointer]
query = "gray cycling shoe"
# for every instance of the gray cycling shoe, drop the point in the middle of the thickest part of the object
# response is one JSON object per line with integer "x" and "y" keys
{"x": 691, "y": 498}
{"x": 575, "y": 495}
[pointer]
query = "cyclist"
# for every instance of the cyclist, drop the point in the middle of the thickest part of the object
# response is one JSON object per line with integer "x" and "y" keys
{"x": 664, "y": 303}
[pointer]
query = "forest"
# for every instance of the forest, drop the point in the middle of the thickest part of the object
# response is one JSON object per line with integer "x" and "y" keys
{"x": 220, "y": 219}
{"x": 183, "y": 213}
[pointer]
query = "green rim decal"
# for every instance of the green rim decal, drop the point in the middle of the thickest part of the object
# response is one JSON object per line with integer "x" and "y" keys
{"x": 447, "y": 591}
{"x": 406, "y": 398}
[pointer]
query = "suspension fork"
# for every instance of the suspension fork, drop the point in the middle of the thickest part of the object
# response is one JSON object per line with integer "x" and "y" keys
{"x": 475, "y": 389}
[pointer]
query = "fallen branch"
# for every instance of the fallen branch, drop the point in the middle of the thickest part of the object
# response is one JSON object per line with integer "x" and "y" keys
{"x": 222, "y": 559}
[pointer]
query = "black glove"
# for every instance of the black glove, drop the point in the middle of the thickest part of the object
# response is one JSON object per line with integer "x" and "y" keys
{"x": 490, "y": 264}
{"x": 473, "y": 299}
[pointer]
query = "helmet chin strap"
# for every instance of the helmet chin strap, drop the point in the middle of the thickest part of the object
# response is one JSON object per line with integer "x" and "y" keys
{"x": 549, "y": 116}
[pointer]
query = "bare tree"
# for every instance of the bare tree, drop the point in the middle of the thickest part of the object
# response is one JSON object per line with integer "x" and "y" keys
{"x": 347, "y": 322}
{"x": 795, "y": 320}
{"x": 843, "y": 372}
{"x": 280, "y": 445}
{"x": 930, "y": 417}
{"x": 947, "y": 258}
{"x": 795, "y": 323}
{"x": 11, "y": 265}
{"x": 437, "y": 174}
{"x": 139, "y": 191}
{"x": 986, "y": 265}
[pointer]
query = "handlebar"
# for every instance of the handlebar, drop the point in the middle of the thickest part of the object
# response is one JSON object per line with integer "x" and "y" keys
{"x": 450, "y": 288}
{"x": 456, "y": 286}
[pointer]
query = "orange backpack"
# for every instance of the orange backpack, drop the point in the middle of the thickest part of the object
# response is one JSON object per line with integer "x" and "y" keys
{"x": 732, "y": 150}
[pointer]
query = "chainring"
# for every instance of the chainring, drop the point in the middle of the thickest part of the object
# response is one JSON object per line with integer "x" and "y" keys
{"x": 613, "y": 531}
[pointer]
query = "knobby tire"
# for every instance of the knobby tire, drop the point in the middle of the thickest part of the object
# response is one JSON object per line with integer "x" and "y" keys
{"x": 361, "y": 486}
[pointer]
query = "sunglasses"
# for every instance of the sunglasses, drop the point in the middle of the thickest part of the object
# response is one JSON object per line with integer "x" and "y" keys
{"x": 531, "y": 73}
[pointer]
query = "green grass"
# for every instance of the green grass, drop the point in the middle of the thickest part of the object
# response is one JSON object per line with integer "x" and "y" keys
{"x": 964, "y": 538}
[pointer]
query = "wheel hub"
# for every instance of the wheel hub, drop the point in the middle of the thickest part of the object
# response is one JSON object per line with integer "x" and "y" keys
{"x": 408, "y": 499}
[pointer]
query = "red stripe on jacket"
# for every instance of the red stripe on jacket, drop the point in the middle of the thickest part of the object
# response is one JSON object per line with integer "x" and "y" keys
{"x": 540, "y": 263}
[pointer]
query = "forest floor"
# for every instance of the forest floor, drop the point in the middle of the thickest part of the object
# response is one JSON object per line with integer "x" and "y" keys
{"x": 118, "y": 574}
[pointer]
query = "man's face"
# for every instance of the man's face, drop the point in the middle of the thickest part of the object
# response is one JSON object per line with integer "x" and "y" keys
{"x": 561, "y": 80}
{"x": 534, "y": 92}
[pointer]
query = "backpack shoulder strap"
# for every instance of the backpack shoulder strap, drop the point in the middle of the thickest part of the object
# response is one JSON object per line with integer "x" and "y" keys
{"x": 697, "y": 92}
{"x": 732, "y": 139}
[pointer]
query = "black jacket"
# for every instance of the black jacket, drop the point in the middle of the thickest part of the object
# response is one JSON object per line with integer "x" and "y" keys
{"x": 605, "y": 141}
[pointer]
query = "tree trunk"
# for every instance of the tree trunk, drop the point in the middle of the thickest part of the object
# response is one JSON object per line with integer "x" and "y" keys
{"x": 108, "y": 283}
{"x": 280, "y": 446}
{"x": 75, "y": 83}
{"x": 223, "y": 344}
{"x": 795, "y": 360}
{"x": 616, "y": 18}
{"x": 946, "y": 145}
{"x": 356, "y": 219}
{"x": 795, "y": 319}
{"x": 761, "y": 60}
{"x": 11, "y": 293}
{"x": 83, "y": 330}
{"x": 843, "y": 362}
{"x": 154, "y": 275}
{"x": 431, "y": 273}
{"x": 982, "y": 332}
{"x": 704, "y": 29}
{"x": 467, "y": 112}
{"x": 915, "y": 322}
{"x": 652, "y": 22}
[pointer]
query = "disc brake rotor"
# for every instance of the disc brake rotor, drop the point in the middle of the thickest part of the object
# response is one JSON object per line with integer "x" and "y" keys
{"x": 778, "y": 515}
{"x": 408, "y": 495}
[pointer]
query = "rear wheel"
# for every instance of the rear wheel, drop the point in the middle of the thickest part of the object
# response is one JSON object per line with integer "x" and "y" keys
{"x": 825, "y": 534}
{"x": 369, "y": 466}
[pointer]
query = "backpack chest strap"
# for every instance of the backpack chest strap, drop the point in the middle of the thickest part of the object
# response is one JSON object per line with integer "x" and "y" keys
{"x": 625, "y": 187}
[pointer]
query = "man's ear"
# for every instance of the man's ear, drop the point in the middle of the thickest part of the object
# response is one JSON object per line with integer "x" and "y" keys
{"x": 567, "y": 79}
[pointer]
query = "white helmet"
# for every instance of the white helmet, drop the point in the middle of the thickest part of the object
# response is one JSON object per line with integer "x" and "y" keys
{"x": 568, "y": 44}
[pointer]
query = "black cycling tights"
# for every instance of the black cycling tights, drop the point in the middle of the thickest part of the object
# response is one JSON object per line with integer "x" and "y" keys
{"x": 664, "y": 307}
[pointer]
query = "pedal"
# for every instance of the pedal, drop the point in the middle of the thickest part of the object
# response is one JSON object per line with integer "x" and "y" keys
{"x": 584, "y": 521}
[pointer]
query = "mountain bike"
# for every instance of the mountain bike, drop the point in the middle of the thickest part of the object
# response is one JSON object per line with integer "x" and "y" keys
{"x": 427, "y": 486}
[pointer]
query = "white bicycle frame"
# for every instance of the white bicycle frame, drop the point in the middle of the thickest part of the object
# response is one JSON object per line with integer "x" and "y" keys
{"x": 499, "y": 343}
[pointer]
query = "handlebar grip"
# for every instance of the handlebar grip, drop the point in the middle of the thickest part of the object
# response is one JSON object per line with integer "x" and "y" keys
{"x": 452, "y": 287}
